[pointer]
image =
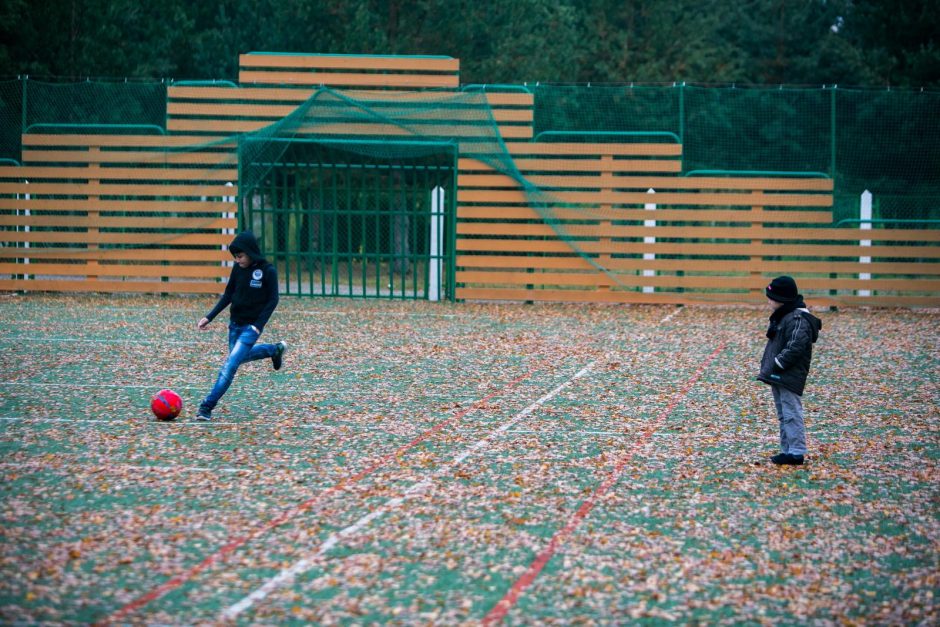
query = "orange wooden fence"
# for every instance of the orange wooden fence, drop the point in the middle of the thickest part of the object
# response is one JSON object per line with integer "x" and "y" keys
{"x": 116, "y": 213}
{"x": 609, "y": 223}
{"x": 580, "y": 222}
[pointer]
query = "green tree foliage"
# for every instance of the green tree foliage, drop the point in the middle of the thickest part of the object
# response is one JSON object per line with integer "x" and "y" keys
{"x": 849, "y": 42}
{"x": 657, "y": 42}
{"x": 898, "y": 42}
{"x": 93, "y": 37}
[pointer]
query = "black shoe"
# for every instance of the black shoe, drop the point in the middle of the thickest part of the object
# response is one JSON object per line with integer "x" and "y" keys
{"x": 786, "y": 459}
{"x": 278, "y": 357}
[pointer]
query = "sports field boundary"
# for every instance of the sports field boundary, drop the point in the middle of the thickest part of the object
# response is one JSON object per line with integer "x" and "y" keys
{"x": 641, "y": 493}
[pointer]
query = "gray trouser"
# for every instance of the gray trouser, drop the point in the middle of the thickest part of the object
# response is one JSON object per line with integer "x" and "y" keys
{"x": 790, "y": 412}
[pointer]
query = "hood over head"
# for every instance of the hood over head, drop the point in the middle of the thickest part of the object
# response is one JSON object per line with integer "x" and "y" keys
{"x": 245, "y": 242}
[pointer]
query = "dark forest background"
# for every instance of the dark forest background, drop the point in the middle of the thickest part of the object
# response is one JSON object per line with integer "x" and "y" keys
{"x": 866, "y": 43}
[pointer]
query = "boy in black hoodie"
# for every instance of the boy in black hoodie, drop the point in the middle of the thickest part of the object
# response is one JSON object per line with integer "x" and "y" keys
{"x": 785, "y": 364}
{"x": 252, "y": 292}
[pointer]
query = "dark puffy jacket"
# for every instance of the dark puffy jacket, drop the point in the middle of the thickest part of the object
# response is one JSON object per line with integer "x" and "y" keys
{"x": 789, "y": 352}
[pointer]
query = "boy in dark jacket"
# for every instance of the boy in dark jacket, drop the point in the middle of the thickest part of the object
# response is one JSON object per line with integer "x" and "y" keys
{"x": 785, "y": 364}
{"x": 252, "y": 292}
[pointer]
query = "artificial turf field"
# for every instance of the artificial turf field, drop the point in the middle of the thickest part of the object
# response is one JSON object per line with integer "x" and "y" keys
{"x": 429, "y": 463}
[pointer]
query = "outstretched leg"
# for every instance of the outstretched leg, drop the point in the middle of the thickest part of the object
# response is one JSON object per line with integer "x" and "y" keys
{"x": 242, "y": 340}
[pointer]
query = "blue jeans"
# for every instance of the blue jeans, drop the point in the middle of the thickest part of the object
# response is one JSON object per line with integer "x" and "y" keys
{"x": 242, "y": 347}
{"x": 790, "y": 413}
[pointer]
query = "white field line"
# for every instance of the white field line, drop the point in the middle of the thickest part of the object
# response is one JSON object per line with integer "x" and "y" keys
{"x": 303, "y": 565}
{"x": 333, "y": 392}
{"x": 124, "y": 421}
{"x": 557, "y": 433}
{"x": 115, "y": 467}
{"x": 96, "y": 385}
{"x": 65, "y": 420}
{"x": 323, "y": 312}
{"x": 668, "y": 317}
{"x": 283, "y": 313}
{"x": 366, "y": 429}
{"x": 400, "y": 314}
{"x": 78, "y": 340}
{"x": 283, "y": 425}
{"x": 675, "y": 313}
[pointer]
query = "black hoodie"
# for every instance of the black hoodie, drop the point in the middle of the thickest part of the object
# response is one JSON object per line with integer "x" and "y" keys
{"x": 252, "y": 291}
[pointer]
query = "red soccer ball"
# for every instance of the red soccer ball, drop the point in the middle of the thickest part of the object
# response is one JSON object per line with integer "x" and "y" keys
{"x": 166, "y": 405}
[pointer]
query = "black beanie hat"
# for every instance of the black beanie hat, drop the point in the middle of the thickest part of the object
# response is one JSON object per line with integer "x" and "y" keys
{"x": 783, "y": 290}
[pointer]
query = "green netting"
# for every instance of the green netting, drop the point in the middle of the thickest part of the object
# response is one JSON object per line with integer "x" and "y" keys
{"x": 28, "y": 105}
{"x": 887, "y": 142}
{"x": 11, "y": 116}
{"x": 607, "y": 109}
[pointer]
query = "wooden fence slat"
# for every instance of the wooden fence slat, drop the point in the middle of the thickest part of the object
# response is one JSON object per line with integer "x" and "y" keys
{"x": 468, "y": 167}
{"x": 118, "y": 189}
{"x": 431, "y": 63}
{"x": 593, "y": 296}
{"x": 595, "y": 150}
{"x": 182, "y": 142}
{"x": 659, "y": 183}
{"x": 254, "y": 96}
{"x": 203, "y": 255}
{"x": 693, "y": 232}
{"x": 103, "y": 206}
{"x": 144, "y": 158}
{"x": 340, "y": 79}
{"x": 765, "y": 267}
{"x": 34, "y": 174}
{"x": 709, "y": 282}
{"x": 125, "y": 270}
{"x": 87, "y": 222}
{"x": 701, "y": 215}
{"x": 641, "y": 198}
{"x": 419, "y": 131}
{"x": 153, "y": 287}
{"x": 123, "y": 239}
{"x": 696, "y": 251}
{"x": 275, "y": 112}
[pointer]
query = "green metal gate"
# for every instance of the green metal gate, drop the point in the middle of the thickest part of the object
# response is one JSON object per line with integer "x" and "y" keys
{"x": 346, "y": 219}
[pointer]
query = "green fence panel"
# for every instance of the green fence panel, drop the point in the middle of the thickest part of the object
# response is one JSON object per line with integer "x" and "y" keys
{"x": 341, "y": 223}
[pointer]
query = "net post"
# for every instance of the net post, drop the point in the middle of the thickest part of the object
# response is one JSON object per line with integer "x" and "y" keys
{"x": 864, "y": 214}
{"x": 93, "y": 215}
{"x": 649, "y": 272}
{"x": 26, "y": 196}
{"x": 228, "y": 214}
{"x": 434, "y": 249}
{"x": 607, "y": 183}
{"x": 757, "y": 261}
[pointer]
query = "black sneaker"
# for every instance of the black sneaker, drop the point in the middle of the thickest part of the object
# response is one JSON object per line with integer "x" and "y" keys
{"x": 278, "y": 357}
{"x": 786, "y": 459}
{"x": 203, "y": 416}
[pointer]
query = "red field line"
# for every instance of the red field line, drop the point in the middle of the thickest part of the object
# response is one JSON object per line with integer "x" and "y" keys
{"x": 499, "y": 611}
{"x": 234, "y": 543}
